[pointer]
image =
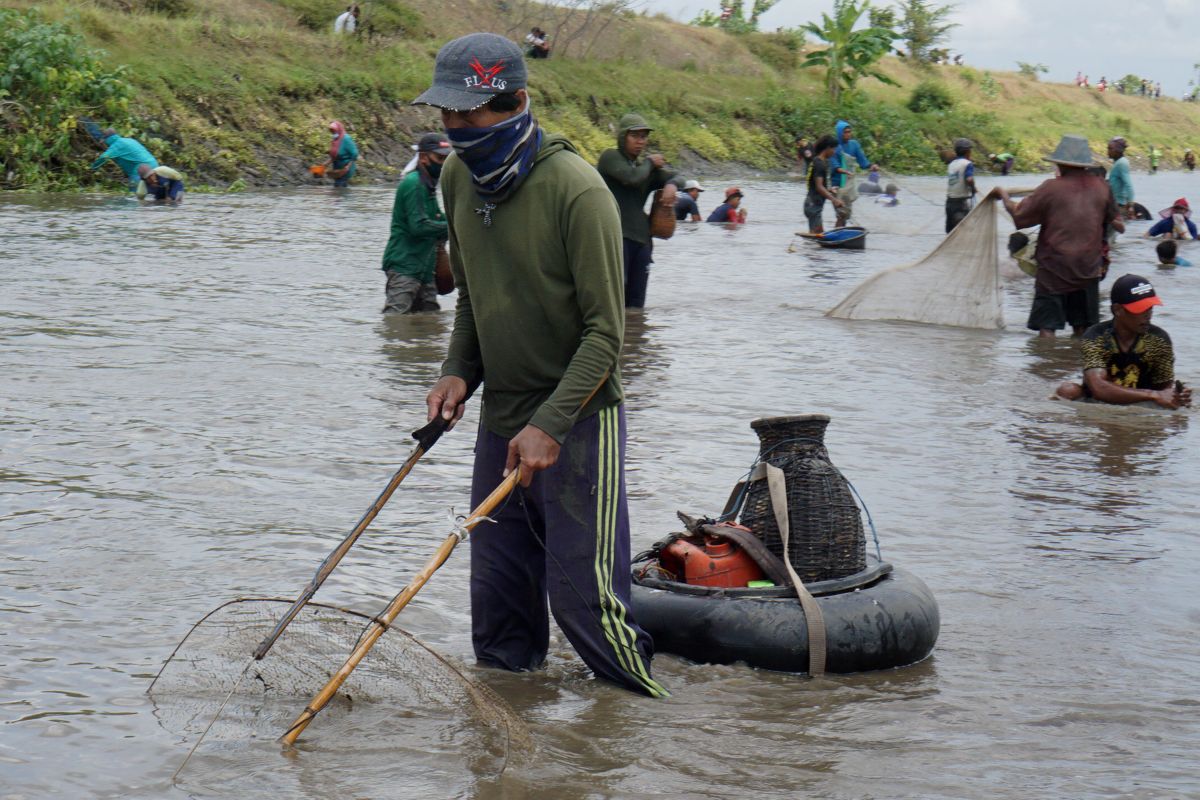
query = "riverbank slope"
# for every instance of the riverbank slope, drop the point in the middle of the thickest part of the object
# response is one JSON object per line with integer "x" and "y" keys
{"x": 239, "y": 92}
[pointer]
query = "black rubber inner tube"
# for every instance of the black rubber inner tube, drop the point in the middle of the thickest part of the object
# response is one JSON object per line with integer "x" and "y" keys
{"x": 872, "y": 574}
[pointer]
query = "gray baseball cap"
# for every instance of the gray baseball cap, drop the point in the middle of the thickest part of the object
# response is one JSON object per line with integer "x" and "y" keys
{"x": 434, "y": 143}
{"x": 471, "y": 70}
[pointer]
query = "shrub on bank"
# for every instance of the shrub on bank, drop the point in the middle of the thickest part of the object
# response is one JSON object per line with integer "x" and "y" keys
{"x": 930, "y": 96}
{"x": 51, "y": 80}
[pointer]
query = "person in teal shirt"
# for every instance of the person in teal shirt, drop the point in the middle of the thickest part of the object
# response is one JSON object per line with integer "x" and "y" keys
{"x": 1119, "y": 178}
{"x": 126, "y": 153}
{"x": 848, "y": 148}
{"x": 343, "y": 155}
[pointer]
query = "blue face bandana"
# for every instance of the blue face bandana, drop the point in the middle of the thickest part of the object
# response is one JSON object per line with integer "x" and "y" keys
{"x": 499, "y": 157}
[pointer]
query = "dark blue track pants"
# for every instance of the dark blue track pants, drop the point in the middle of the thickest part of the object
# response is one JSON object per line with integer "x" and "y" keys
{"x": 577, "y": 509}
{"x": 637, "y": 272}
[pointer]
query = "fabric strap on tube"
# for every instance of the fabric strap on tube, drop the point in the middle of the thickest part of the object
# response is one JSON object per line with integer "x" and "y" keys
{"x": 777, "y": 487}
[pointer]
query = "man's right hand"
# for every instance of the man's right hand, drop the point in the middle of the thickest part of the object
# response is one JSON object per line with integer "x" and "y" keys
{"x": 838, "y": 203}
{"x": 447, "y": 400}
{"x": 657, "y": 160}
{"x": 1171, "y": 397}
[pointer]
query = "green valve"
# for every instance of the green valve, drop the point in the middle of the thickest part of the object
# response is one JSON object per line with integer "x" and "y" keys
{"x": 763, "y": 584}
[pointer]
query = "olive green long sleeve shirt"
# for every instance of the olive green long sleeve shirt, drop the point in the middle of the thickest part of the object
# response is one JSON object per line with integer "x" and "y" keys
{"x": 631, "y": 182}
{"x": 540, "y": 294}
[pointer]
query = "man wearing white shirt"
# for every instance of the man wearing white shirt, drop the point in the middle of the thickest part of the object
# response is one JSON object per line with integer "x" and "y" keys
{"x": 347, "y": 21}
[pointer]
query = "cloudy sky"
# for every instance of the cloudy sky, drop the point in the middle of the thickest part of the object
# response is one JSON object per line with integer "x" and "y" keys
{"x": 1155, "y": 39}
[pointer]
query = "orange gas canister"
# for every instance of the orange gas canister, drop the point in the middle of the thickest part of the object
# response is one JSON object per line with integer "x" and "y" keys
{"x": 717, "y": 563}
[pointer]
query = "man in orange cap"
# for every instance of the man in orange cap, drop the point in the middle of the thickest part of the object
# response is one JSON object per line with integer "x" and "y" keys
{"x": 729, "y": 211}
{"x": 1127, "y": 360}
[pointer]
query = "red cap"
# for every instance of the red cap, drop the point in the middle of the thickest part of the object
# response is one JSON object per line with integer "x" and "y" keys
{"x": 731, "y": 191}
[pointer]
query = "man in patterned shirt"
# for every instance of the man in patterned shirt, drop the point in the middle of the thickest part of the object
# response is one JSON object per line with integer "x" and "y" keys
{"x": 1127, "y": 360}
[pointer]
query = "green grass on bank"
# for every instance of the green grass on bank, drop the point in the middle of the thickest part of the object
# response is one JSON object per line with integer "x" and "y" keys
{"x": 231, "y": 90}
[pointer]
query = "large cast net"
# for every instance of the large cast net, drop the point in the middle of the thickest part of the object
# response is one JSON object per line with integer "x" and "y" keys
{"x": 957, "y": 284}
{"x": 399, "y": 674}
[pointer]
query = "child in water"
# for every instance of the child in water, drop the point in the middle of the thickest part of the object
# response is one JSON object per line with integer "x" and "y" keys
{"x": 1021, "y": 247}
{"x": 1167, "y": 258}
{"x": 888, "y": 198}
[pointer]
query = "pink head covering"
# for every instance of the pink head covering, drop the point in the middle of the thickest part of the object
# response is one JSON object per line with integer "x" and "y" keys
{"x": 339, "y": 131}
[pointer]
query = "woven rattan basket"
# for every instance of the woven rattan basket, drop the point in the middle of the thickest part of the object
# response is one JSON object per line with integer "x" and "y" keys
{"x": 826, "y": 538}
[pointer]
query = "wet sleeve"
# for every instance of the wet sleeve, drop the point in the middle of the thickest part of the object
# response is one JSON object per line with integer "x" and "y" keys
{"x": 427, "y": 220}
{"x": 105, "y": 156}
{"x": 1162, "y": 362}
{"x": 1029, "y": 211}
{"x": 463, "y": 360}
{"x": 1095, "y": 355}
{"x": 1160, "y": 227}
{"x": 396, "y": 230}
{"x": 616, "y": 168}
{"x": 593, "y": 239}
{"x": 860, "y": 156}
{"x": 659, "y": 178}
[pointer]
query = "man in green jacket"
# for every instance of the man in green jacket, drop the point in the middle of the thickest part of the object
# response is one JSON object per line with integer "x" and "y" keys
{"x": 418, "y": 228}
{"x": 535, "y": 247}
{"x": 632, "y": 176}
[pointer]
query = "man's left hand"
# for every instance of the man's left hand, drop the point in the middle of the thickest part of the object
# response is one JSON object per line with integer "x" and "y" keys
{"x": 534, "y": 450}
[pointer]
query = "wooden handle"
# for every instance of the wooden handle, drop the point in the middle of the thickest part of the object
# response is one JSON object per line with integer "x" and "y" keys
{"x": 334, "y": 558}
{"x": 384, "y": 620}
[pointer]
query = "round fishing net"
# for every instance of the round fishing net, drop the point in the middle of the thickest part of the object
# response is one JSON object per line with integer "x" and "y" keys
{"x": 402, "y": 680}
{"x": 957, "y": 284}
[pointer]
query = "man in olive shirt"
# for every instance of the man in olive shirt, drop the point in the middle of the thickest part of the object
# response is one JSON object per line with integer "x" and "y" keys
{"x": 535, "y": 247}
{"x": 632, "y": 176}
{"x": 1072, "y": 210}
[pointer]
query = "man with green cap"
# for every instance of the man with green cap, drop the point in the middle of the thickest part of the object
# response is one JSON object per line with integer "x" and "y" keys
{"x": 631, "y": 176}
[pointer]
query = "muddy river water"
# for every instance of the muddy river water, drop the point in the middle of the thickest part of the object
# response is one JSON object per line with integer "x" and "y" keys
{"x": 199, "y": 402}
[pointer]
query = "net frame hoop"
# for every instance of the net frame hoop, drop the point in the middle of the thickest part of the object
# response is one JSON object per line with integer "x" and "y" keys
{"x": 366, "y": 618}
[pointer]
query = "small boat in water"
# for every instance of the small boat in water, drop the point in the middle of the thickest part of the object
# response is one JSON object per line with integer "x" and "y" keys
{"x": 788, "y": 586}
{"x": 843, "y": 238}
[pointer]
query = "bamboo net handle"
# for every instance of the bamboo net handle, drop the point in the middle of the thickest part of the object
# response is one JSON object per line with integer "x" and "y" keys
{"x": 384, "y": 620}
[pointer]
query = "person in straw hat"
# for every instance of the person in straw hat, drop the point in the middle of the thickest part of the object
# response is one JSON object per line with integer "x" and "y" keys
{"x": 1072, "y": 209}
